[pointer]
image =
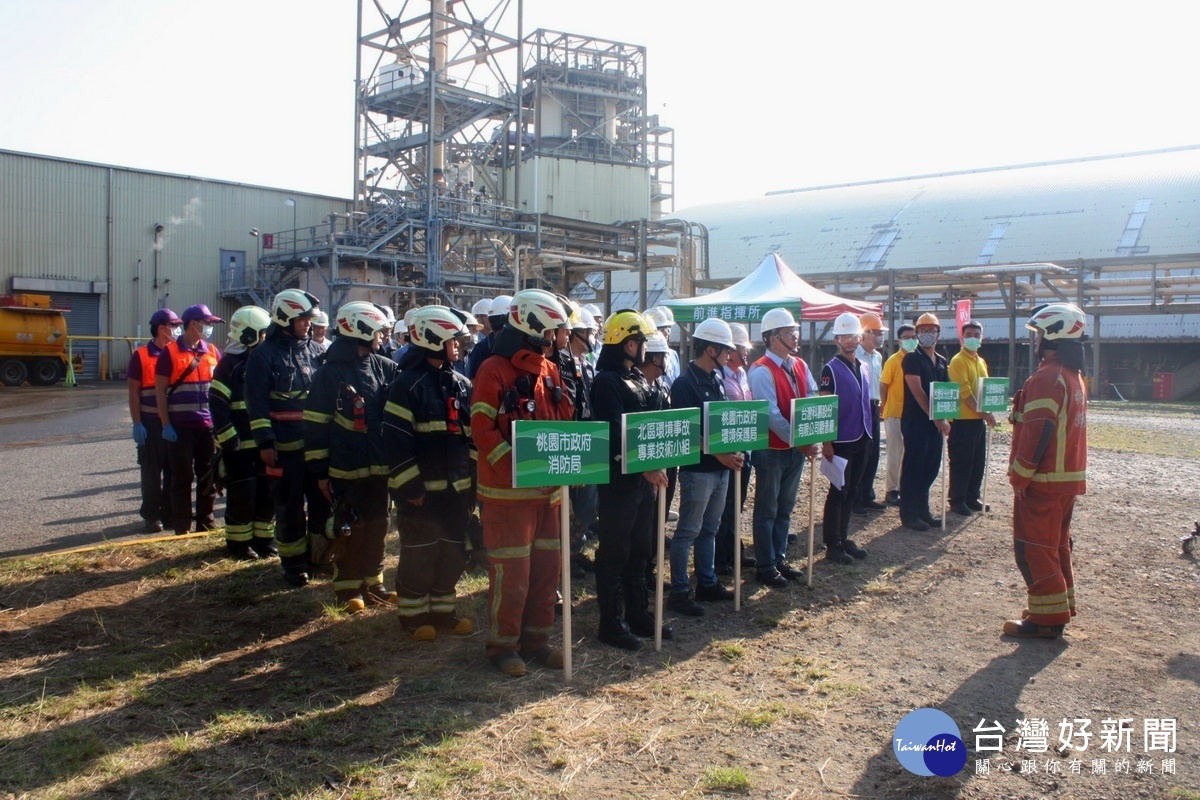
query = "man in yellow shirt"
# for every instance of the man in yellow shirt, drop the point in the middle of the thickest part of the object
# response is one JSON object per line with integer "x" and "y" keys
{"x": 891, "y": 403}
{"x": 968, "y": 437}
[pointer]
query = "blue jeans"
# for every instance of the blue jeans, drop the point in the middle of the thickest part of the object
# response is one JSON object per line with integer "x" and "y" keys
{"x": 777, "y": 479}
{"x": 701, "y": 503}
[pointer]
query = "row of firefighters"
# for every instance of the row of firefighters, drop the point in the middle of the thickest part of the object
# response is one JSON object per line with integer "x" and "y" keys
{"x": 314, "y": 439}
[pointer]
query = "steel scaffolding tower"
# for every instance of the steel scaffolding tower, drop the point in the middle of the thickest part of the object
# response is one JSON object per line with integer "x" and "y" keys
{"x": 487, "y": 160}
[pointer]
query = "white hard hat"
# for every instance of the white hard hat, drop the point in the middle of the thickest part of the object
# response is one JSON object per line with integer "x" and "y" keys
{"x": 777, "y": 318}
{"x": 501, "y": 306}
{"x": 667, "y": 315}
{"x": 388, "y": 315}
{"x": 408, "y": 317}
{"x": 657, "y": 343}
{"x": 741, "y": 334}
{"x": 594, "y": 310}
{"x": 714, "y": 330}
{"x": 656, "y": 318}
{"x": 846, "y": 324}
{"x": 482, "y": 307}
{"x": 320, "y": 319}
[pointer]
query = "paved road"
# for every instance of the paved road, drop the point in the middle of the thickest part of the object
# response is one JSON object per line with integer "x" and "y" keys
{"x": 68, "y": 469}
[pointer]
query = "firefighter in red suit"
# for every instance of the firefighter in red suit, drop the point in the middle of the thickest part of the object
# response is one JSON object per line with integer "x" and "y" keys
{"x": 1048, "y": 470}
{"x": 520, "y": 526}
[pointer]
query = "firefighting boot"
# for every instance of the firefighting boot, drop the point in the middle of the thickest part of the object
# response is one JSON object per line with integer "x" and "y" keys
{"x": 447, "y": 621}
{"x": 1024, "y": 629}
{"x": 376, "y": 595}
{"x": 350, "y": 601}
{"x": 637, "y": 611}
{"x": 614, "y": 630}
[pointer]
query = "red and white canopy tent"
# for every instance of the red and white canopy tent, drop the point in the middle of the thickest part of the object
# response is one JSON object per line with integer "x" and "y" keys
{"x": 771, "y": 285}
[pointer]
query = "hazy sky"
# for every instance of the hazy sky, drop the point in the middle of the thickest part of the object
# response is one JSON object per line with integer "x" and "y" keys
{"x": 762, "y": 96}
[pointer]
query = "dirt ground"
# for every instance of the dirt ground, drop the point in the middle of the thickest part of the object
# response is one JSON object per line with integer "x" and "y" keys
{"x": 167, "y": 671}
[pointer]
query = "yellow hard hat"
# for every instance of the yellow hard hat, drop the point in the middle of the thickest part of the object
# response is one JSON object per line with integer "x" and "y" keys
{"x": 625, "y": 323}
{"x": 928, "y": 318}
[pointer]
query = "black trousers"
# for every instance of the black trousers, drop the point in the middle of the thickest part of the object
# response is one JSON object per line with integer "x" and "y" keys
{"x": 920, "y": 467}
{"x": 358, "y": 565}
{"x": 249, "y": 508}
{"x": 292, "y": 491}
{"x": 838, "y": 502}
{"x": 725, "y": 533}
{"x": 155, "y": 474}
{"x": 432, "y": 555}
{"x": 626, "y": 533}
{"x": 191, "y": 459}
{"x": 866, "y": 488}
{"x": 968, "y": 452}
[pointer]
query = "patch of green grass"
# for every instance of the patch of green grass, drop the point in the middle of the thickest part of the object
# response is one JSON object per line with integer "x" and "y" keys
{"x": 725, "y": 779}
{"x": 72, "y": 748}
{"x": 1148, "y": 441}
{"x": 731, "y": 651}
{"x": 233, "y": 724}
{"x": 1178, "y": 793}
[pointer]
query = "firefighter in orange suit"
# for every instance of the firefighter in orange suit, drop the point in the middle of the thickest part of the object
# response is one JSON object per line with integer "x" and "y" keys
{"x": 1048, "y": 470}
{"x": 520, "y": 526}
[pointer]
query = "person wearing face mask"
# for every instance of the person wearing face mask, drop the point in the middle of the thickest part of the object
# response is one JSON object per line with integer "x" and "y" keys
{"x": 846, "y": 378}
{"x": 183, "y": 376}
{"x": 155, "y": 511}
{"x": 891, "y": 401}
{"x": 922, "y": 436}
{"x": 968, "y": 437}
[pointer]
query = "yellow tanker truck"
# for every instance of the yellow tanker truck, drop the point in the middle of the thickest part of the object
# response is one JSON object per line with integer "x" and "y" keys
{"x": 33, "y": 340}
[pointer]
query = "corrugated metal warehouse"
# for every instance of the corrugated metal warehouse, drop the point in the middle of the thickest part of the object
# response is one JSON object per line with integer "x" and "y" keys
{"x": 113, "y": 244}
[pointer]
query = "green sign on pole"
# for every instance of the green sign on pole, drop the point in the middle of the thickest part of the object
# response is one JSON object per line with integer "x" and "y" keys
{"x": 814, "y": 420}
{"x": 559, "y": 453}
{"x": 660, "y": 439}
{"x": 735, "y": 426}
{"x": 992, "y": 395}
{"x": 944, "y": 400}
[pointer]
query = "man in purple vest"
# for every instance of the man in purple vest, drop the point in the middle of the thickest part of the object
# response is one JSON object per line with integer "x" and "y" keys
{"x": 845, "y": 377}
{"x": 778, "y": 377}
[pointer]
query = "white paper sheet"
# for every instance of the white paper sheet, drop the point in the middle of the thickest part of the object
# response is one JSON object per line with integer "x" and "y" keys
{"x": 835, "y": 471}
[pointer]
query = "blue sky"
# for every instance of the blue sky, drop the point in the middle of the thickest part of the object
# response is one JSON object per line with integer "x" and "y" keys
{"x": 764, "y": 96}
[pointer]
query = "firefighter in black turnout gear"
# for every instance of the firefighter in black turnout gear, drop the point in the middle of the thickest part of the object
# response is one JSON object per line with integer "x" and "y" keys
{"x": 577, "y": 375}
{"x": 427, "y": 439}
{"x": 343, "y": 451}
{"x": 627, "y": 502}
{"x": 249, "y": 509}
{"x": 279, "y": 373}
